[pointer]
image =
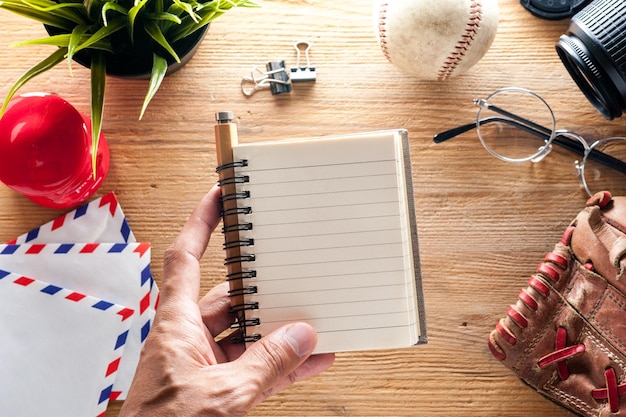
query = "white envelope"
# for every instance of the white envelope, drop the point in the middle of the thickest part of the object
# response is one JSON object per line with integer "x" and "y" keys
{"x": 119, "y": 272}
{"x": 101, "y": 220}
{"x": 86, "y": 335}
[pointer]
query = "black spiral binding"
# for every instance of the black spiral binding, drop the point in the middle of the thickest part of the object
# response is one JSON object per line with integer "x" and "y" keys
{"x": 242, "y": 322}
{"x": 235, "y": 164}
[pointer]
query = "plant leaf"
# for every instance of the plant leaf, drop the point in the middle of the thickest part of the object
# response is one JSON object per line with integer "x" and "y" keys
{"x": 98, "y": 84}
{"x": 75, "y": 38}
{"x": 164, "y": 16}
{"x": 183, "y": 30}
{"x": 187, "y": 8}
{"x": 159, "y": 68}
{"x": 50, "y": 19}
{"x": 65, "y": 10}
{"x": 63, "y": 41}
{"x": 155, "y": 32}
{"x": 207, "y": 12}
{"x": 112, "y": 7}
{"x": 43, "y": 66}
{"x": 103, "y": 33}
{"x": 87, "y": 5}
{"x": 132, "y": 16}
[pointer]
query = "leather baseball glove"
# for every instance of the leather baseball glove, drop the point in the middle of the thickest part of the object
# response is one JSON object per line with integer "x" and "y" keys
{"x": 566, "y": 334}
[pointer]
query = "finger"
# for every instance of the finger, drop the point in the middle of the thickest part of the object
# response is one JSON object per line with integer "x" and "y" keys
{"x": 311, "y": 367}
{"x": 273, "y": 358}
{"x": 232, "y": 351}
{"x": 215, "y": 309}
{"x": 216, "y": 316}
{"x": 181, "y": 267}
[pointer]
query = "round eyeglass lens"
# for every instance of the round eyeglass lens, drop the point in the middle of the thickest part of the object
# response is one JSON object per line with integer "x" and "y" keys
{"x": 603, "y": 167}
{"x": 515, "y": 125}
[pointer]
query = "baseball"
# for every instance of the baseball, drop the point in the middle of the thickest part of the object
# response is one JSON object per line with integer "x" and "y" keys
{"x": 435, "y": 40}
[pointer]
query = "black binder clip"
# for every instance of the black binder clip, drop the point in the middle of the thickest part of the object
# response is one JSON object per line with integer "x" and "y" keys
{"x": 303, "y": 72}
{"x": 275, "y": 77}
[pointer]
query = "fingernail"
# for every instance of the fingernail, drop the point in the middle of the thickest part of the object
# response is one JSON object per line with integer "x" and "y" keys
{"x": 302, "y": 338}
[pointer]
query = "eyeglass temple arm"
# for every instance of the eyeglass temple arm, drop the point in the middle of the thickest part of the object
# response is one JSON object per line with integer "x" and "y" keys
{"x": 562, "y": 141}
{"x": 532, "y": 125}
{"x": 449, "y": 134}
{"x": 454, "y": 132}
{"x": 596, "y": 156}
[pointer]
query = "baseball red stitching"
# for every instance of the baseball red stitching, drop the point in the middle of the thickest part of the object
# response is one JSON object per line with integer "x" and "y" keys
{"x": 463, "y": 45}
{"x": 382, "y": 29}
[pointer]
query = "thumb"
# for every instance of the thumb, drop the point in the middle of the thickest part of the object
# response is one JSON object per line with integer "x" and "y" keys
{"x": 274, "y": 357}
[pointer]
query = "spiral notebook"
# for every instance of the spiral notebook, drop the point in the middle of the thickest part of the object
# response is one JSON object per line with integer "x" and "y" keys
{"x": 323, "y": 230}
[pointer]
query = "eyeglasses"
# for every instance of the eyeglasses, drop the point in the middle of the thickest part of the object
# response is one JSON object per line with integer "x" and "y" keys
{"x": 526, "y": 131}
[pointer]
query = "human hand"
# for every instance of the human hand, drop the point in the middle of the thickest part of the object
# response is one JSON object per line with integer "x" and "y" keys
{"x": 183, "y": 371}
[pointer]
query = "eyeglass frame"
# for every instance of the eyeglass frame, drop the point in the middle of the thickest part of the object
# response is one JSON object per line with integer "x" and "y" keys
{"x": 576, "y": 143}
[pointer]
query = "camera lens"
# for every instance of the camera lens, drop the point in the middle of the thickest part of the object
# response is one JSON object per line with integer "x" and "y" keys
{"x": 553, "y": 10}
{"x": 594, "y": 53}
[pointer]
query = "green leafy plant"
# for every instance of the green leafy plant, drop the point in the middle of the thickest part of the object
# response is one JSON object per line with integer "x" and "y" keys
{"x": 103, "y": 29}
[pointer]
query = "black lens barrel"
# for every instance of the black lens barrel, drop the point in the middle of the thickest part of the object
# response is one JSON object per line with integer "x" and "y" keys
{"x": 594, "y": 53}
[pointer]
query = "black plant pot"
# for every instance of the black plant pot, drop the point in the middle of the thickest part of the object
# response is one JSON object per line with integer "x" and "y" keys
{"x": 135, "y": 60}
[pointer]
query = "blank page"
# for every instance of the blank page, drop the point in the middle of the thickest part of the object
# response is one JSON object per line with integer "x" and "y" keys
{"x": 332, "y": 243}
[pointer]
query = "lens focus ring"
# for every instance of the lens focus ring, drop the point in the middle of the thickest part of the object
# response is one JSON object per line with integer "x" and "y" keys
{"x": 607, "y": 21}
{"x": 594, "y": 53}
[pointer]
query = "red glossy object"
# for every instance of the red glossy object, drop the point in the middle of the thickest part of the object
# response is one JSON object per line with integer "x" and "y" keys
{"x": 45, "y": 151}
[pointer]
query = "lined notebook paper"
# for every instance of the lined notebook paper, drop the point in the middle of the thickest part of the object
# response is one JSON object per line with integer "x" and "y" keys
{"x": 326, "y": 234}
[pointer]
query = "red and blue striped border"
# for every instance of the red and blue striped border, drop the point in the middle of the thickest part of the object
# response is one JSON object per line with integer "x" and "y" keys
{"x": 124, "y": 314}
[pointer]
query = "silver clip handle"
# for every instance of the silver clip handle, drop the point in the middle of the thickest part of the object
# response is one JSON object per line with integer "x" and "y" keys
{"x": 303, "y": 72}
{"x": 307, "y": 47}
{"x": 258, "y": 80}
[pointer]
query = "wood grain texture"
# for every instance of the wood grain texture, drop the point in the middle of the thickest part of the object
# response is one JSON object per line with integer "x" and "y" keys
{"x": 484, "y": 225}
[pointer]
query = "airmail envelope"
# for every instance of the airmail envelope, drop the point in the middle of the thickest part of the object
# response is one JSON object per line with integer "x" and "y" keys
{"x": 60, "y": 349}
{"x": 119, "y": 272}
{"x": 100, "y": 221}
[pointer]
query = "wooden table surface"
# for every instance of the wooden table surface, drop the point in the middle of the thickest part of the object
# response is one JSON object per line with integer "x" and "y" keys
{"x": 484, "y": 225}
